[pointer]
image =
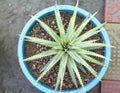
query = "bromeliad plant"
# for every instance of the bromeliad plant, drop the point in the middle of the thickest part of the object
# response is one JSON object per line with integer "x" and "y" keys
{"x": 70, "y": 48}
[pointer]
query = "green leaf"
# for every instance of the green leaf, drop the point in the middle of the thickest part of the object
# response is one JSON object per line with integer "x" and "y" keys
{"x": 73, "y": 65}
{"x": 86, "y": 35}
{"x": 95, "y": 45}
{"x": 89, "y": 33}
{"x": 48, "y": 30}
{"x": 61, "y": 72}
{"x": 41, "y": 41}
{"x": 81, "y": 68}
{"x": 46, "y": 65}
{"x": 86, "y": 52}
{"x": 90, "y": 46}
{"x": 59, "y": 23}
{"x": 90, "y": 59}
{"x": 40, "y": 55}
{"x": 72, "y": 36}
{"x": 80, "y": 60}
{"x": 91, "y": 41}
{"x": 83, "y": 24}
{"x": 79, "y": 45}
{"x": 71, "y": 24}
{"x": 55, "y": 59}
{"x": 72, "y": 74}
{"x": 59, "y": 47}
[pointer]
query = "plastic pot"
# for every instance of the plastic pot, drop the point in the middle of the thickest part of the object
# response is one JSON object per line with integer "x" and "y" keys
{"x": 30, "y": 24}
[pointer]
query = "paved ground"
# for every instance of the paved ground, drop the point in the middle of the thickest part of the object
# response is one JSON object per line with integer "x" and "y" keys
{"x": 109, "y": 86}
{"x": 111, "y": 82}
{"x": 13, "y": 16}
{"x": 112, "y": 11}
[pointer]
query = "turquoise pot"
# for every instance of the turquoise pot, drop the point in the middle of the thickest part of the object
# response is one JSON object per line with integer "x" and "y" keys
{"x": 30, "y": 24}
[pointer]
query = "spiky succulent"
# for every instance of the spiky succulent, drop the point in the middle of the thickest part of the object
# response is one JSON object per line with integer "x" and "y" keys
{"x": 70, "y": 48}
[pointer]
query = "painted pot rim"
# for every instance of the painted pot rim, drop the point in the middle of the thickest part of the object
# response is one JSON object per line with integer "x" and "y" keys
{"x": 29, "y": 25}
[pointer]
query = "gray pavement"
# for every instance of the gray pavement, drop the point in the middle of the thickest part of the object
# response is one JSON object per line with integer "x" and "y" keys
{"x": 13, "y": 16}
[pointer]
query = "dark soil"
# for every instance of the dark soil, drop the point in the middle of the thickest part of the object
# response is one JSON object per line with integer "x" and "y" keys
{"x": 36, "y": 65}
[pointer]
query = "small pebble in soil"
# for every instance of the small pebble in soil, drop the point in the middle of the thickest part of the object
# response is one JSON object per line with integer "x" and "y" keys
{"x": 85, "y": 28}
{"x": 55, "y": 74}
{"x": 40, "y": 67}
{"x": 37, "y": 51}
{"x": 49, "y": 81}
{"x": 86, "y": 80}
{"x": 44, "y": 63}
{"x": 42, "y": 34}
{"x": 33, "y": 66}
{"x": 53, "y": 22}
{"x": 50, "y": 76}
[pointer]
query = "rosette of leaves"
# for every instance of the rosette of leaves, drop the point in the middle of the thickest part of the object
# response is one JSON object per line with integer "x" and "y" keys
{"x": 70, "y": 48}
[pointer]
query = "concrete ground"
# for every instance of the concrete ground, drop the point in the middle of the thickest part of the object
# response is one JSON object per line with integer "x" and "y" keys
{"x": 13, "y": 16}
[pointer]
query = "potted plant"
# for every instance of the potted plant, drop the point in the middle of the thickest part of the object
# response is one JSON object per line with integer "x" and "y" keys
{"x": 75, "y": 47}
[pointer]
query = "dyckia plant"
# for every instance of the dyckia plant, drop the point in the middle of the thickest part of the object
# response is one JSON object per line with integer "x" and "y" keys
{"x": 70, "y": 48}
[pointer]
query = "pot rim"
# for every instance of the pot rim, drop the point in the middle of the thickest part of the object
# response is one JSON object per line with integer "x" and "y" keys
{"x": 28, "y": 26}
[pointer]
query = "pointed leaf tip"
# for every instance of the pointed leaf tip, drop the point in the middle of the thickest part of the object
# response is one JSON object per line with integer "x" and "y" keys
{"x": 104, "y": 23}
{"x": 77, "y": 2}
{"x": 98, "y": 78}
{"x": 96, "y": 12}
